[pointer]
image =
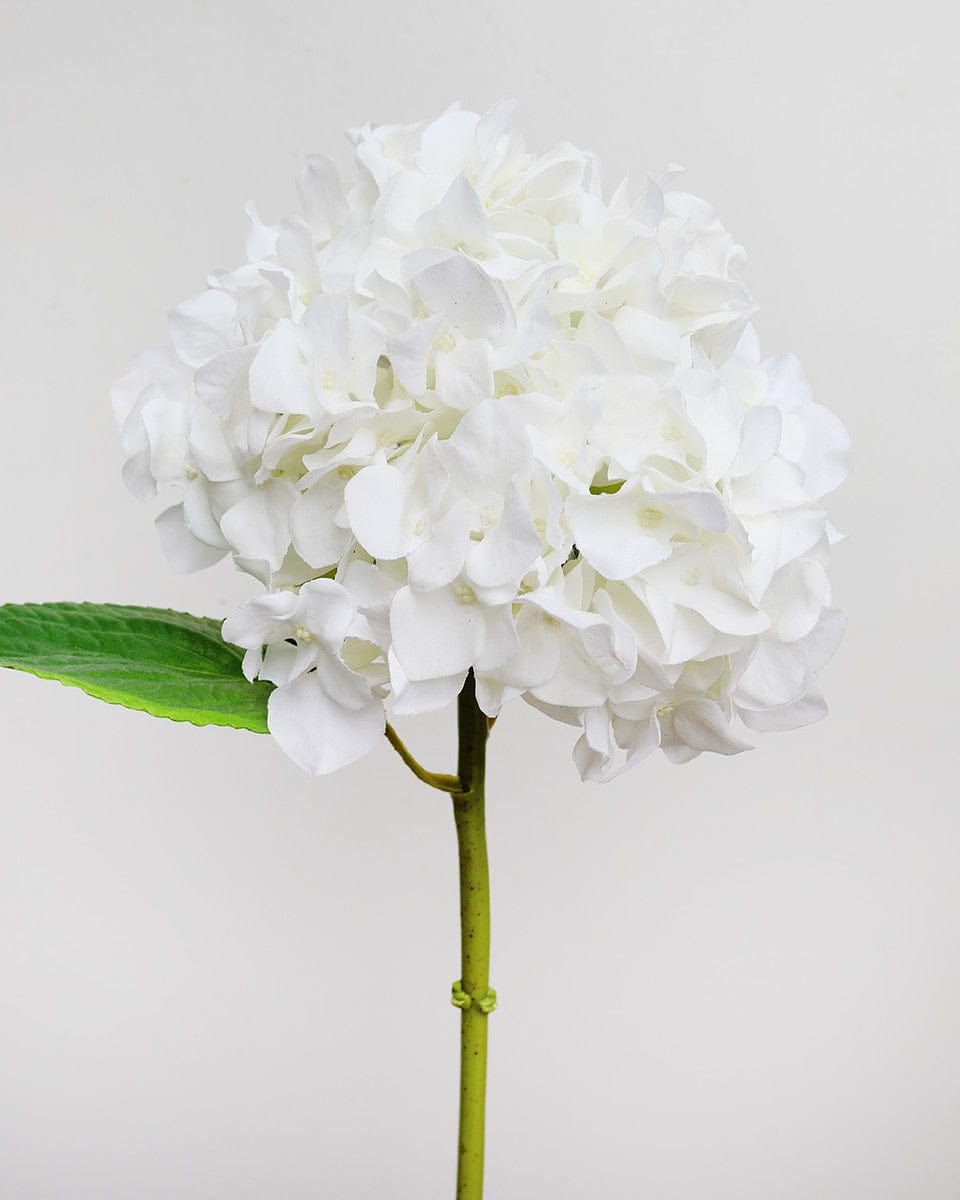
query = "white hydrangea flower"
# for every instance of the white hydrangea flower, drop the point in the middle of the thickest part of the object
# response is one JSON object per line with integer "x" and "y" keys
{"x": 466, "y": 414}
{"x": 327, "y": 707}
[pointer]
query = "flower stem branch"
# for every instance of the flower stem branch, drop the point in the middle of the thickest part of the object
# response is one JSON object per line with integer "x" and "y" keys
{"x": 445, "y": 783}
{"x": 472, "y": 992}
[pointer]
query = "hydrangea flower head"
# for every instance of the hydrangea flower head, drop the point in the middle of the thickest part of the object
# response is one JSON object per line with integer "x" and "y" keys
{"x": 466, "y": 413}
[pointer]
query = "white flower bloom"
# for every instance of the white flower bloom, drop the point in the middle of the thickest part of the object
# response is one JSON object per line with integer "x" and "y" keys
{"x": 467, "y": 414}
{"x": 326, "y": 710}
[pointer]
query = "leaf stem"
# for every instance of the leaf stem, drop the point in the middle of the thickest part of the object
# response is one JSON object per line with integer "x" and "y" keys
{"x": 445, "y": 783}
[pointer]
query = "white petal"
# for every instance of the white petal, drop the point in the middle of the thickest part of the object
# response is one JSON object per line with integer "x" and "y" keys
{"x": 326, "y": 609}
{"x": 284, "y": 661}
{"x": 344, "y": 686}
{"x": 685, "y": 633}
{"x": 825, "y": 460}
{"x": 378, "y": 501}
{"x": 371, "y": 587}
{"x": 508, "y": 549}
{"x": 787, "y": 386}
{"x": 252, "y": 662}
{"x": 278, "y": 377}
{"x": 461, "y": 219}
{"x": 676, "y": 752}
{"x": 795, "y": 599}
{"x": 534, "y": 329}
{"x": 208, "y": 446}
{"x": 643, "y": 740}
{"x": 406, "y": 197}
{"x": 317, "y": 733}
{"x": 316, "y": 538}
{"x": 411, "y": 699}
{"x": 260, "y": 621}
{"x": 596, "y": 748}
{"x": 577, "y": 682}
{"x": 776, "y": 675}
{"x": 465, "y": 374}
{"x": 500, "y": 640}
{"x": 686, "y": 578}
{"x": 259, "y": 526}
{"x": 448, "y": 144}
{"x": 184, "y": 551}
{"x": 158, "y": 370}
{"x": 759, "y": 438}
{"x": 321, "y": 194}
{"x": 810, "y": 707}
{"x": 716, "y": 416}
{"x": 770, "y": 488}
{"x": 492, "y": 126}
{"x": 489, "y": 450}
{"x": 261, "y": 241}
{"x": 471, "y": 301}
{"x": 409, "y": 354}
{"x": 202, "y": 502}
{"x": 821, "y": 643}
{"x": 166, "y": 424}
{"x": 701, "y": 725}
{"x": 367, "y": 344}
{"x": 434, "y": 635}
{"x": 538, "y": 656}
{"x": 440, "y": 558}
{"x": 800, "y": 529}
{"x": 324, "y": 335}
{"x": 609, "y": 535}
{"x": 204, "y": 326}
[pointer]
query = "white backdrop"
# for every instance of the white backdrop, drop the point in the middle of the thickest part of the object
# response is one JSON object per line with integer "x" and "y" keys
{"x": 735, "y": 980}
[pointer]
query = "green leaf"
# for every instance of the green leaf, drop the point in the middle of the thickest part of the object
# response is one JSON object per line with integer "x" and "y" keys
{"x": 168, "y": 664}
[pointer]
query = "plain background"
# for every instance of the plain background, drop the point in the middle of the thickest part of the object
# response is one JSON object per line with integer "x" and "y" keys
{"x": 736, "y": 980}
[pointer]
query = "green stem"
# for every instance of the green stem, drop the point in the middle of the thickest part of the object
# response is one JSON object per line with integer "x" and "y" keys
{"x": 445, "y": 783}
{"x": 474, "y": 996}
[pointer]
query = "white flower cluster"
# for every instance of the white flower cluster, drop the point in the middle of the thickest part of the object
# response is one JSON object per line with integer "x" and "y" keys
{"x": 465, "y": 413}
